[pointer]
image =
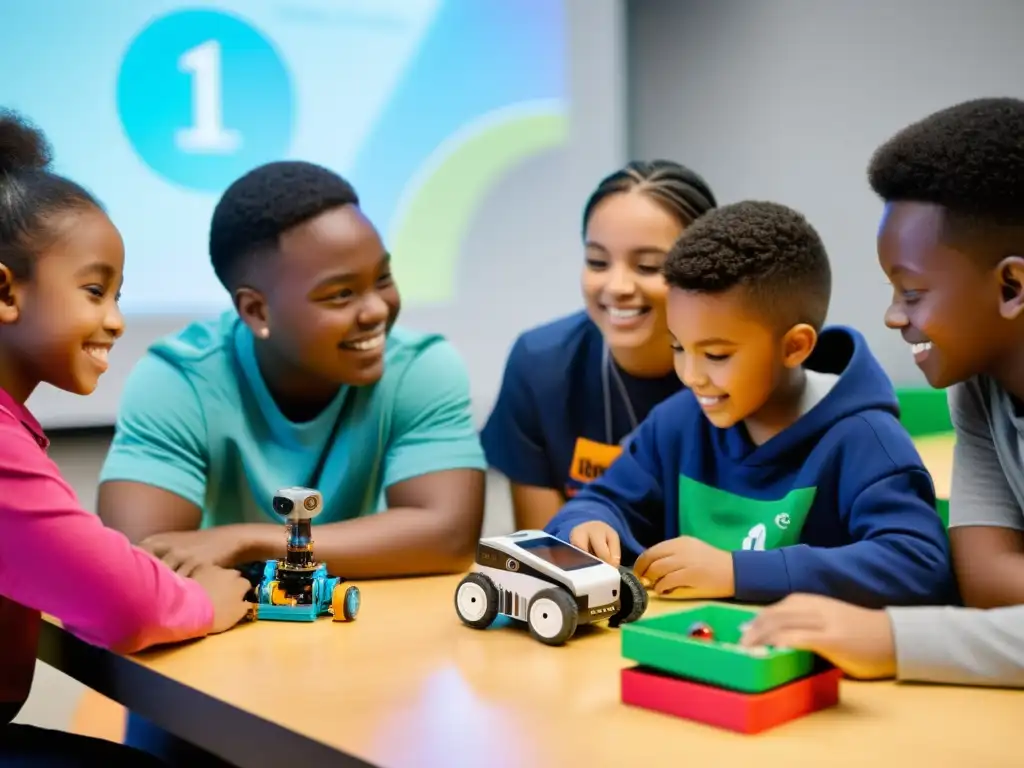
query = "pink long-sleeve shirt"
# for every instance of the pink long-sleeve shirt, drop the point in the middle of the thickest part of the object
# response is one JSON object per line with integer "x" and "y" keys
{"x": 59, "y": 559}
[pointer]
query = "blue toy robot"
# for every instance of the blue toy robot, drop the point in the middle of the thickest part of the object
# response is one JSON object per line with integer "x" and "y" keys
{"x": 296, "y": 587}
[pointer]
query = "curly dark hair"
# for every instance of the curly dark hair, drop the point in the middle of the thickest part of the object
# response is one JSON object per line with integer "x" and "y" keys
{"x": 768, "y": 249}
{"x": 31, "y": 193}
{"x": 267, "y": 201}
{"x": 968, "y": 159}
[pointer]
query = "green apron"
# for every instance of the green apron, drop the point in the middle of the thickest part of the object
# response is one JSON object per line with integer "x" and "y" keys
{"x": 730, "y": 522}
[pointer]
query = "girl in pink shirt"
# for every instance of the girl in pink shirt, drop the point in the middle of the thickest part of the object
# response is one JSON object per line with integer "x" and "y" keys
{"x": 61, "y": 263}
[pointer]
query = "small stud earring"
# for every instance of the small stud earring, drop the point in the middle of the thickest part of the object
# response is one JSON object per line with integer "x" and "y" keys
{"x": 264, "y": 333}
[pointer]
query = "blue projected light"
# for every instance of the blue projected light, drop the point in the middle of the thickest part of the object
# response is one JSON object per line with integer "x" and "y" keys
{"x": 158, "y": 105}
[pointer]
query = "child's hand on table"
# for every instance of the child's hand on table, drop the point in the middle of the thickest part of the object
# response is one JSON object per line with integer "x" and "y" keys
{"x": 226, "y": 590}
{"x": 185, "y": 551}
{"x": 857, "y": 640}
{"x": 598, "y": 538}
{"x": 687, "y": 567}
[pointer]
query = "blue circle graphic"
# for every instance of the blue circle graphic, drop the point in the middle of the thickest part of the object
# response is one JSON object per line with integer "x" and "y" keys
{"x": 204, "y": 98}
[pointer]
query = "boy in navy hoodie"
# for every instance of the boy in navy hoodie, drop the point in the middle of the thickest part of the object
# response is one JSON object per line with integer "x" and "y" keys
{"x": 783, "y": 466}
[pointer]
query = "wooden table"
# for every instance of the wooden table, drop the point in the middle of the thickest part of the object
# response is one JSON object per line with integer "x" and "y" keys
{"x": 937, "y": 454}
{"x": 408, "y": 685}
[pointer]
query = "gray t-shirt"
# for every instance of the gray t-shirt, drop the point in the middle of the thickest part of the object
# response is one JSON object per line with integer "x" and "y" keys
{"x": 963, "y": 645}
{"x": 988, "y": 468}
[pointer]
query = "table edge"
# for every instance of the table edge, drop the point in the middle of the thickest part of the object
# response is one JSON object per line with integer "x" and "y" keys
{"x": 232, "y": 734}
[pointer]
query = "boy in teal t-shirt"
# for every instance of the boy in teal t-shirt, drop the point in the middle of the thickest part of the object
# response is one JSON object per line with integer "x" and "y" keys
{"x": 306, "y": 382}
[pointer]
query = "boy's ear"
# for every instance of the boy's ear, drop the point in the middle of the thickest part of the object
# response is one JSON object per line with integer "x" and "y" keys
{"x": 797, "y": 344}
{"x": 252, "y": 308}
{"x": 1011, "y": 286}
{"x": 8, "y": 297}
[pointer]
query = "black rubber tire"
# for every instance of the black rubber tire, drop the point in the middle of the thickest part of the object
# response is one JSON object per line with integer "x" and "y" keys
{"x": 566, "y": 605}
{"x": 490, "y": 595}
{"x": 634, "y": 600}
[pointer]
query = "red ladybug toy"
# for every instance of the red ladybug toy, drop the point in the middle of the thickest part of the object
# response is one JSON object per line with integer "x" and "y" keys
{"x": 701, "y": 631}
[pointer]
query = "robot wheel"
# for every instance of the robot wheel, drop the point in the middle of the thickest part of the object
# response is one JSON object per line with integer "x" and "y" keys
{"x": 345, "y": 602}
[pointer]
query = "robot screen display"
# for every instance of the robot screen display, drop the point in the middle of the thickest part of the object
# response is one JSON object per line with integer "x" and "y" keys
{"x": 558, "y": 553}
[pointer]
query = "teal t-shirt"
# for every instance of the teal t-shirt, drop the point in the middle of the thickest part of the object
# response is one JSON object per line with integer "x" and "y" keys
{"x": 196, "y": 419}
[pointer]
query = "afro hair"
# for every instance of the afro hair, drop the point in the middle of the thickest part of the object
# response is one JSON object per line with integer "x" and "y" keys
{"x": 267, "y": 201}
{"x": 765, "y": 248}
{"x": 967, "y": 159}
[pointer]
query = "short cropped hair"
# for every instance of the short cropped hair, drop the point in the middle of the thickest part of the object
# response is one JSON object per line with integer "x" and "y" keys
{"x": 968, "y": 159}
{"x": 769, "y": 250}
{"x": 264, "y": 203}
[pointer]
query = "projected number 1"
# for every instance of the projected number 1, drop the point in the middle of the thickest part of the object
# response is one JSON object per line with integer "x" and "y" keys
{"x": 204, "y": 97}
{"x": 207, "y": 132}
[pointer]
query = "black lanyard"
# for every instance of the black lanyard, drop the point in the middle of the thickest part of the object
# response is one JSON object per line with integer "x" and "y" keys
{"x": 317, "y": 475}
{"x": 608, "y": 368}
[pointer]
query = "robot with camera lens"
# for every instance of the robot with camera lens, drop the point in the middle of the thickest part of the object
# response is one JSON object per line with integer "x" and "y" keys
{"x": 297, "y": 587}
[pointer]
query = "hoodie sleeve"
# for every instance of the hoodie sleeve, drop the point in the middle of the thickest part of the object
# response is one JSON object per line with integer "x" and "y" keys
{"x": 628, "y": 496}
{"x": 899, "y": 553}
{"x": 959, "y": 646}
{"x": 59, "y": 559}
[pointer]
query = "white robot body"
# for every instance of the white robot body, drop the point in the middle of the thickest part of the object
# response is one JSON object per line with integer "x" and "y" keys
{"x": 551, "y": 585}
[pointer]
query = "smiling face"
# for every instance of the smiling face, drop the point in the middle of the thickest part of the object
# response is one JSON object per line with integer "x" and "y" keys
{"x": 62, "y": 322}
{"x": 327, "y": 298}
{"x": 950, "y": 309}
{"x": 731, "y": 358}
{"x": 627, "y": 237}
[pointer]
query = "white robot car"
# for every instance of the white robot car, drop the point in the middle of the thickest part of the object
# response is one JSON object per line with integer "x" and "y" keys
{"x": 551, "y": 585}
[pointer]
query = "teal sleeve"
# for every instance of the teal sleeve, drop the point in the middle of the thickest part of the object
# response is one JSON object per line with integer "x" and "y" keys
{"x": 159, "y": 437}
{"x": 432, "y": 423}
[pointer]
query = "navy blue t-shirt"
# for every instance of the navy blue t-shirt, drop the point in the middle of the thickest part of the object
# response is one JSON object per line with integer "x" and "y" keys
{"x": 549, "y": 427}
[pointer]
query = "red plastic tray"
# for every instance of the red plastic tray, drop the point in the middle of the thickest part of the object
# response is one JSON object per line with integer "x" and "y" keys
{"x": 740, "y": 712}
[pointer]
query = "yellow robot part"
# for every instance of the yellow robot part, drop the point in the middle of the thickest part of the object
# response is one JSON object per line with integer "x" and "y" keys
{"x": 278, "y": 596}
{"x": 345, "y": 602}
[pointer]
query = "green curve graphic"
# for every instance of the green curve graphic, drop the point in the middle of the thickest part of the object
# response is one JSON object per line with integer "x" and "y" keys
{"x": 428, "y": 231}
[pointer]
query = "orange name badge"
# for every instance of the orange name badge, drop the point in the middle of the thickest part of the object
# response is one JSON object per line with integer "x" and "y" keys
{"x": 591, "y": 459}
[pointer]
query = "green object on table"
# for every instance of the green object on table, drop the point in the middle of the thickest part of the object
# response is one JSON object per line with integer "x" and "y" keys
{"x": 924, "y": 411}
{"x": 664, "y": 643}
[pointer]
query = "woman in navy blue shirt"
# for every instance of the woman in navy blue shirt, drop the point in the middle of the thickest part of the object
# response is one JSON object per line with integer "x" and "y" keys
{"x": 575, "y": 388}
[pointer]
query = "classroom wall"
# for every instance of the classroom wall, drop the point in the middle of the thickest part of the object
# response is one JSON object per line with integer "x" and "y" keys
{"x": 787, "y": 100}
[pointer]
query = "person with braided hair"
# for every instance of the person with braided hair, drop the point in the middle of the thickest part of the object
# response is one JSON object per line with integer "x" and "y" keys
{"x": 576, "y": 387}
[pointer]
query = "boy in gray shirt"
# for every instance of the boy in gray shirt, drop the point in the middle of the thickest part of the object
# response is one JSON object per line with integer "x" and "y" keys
{"x": 952, "y": 244}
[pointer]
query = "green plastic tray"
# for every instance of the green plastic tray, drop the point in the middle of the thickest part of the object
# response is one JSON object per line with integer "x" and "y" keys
{"x": 663, "y": 643}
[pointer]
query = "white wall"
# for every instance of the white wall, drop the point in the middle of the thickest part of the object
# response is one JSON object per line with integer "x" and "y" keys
{"x": 786, "y": 100}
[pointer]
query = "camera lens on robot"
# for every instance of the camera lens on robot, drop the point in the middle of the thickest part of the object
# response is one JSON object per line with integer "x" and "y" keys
{"x": 298, "y": 503}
